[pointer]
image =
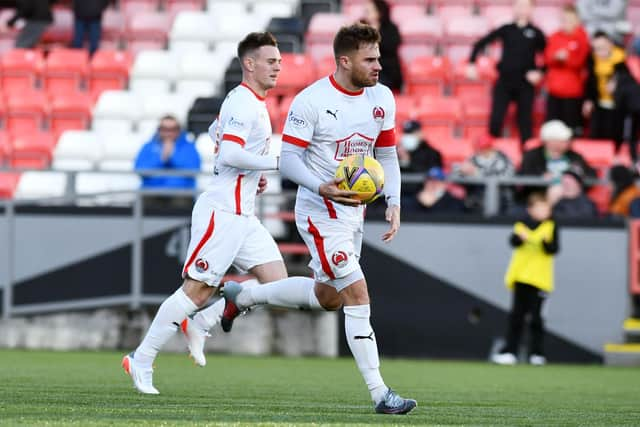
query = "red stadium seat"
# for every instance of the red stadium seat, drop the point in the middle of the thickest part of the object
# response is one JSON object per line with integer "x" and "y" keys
{"x": 453, "y": 150}
{"x": 325, "y": 67}
{"x": 297, "y": 72}
{"x": 451, "y": 11}
{"x": 410, "y": 51}
{"x": 3, "y": 111}
{"x": 131, "y": 7}
{"x": 65, "y": 70}
{"x": 112, "y": 26}
{"x": 598, "y": 153}
{"x": 70, "y": 111}
{"x": 26, "y": 112}
{"x": 109, "y": 69}
{"x": 5, "y": 148}
{"x": 547, "y": 18}
{"x": 285, "y": 104}
{"x": 465, "y": 3}
{"x": 21, "y": 69}
{"x": 497, "y": 15}
{"x": 427, "y": 75}
{"x": 8, "y": 184}
{"x": 633, "y": 62}
{"x": 61, "y": 30}
{"x": 510, "y": 147}
{"x": 323, "y": 26}
{"x": 405, "y": 109}
{"x": 402, "y": 12}
{"x": 274, "y": 113}
{"x": 175, "y": 7}
{"x": 475, "y": 116}
{"x": 465, "y": 29}
{"x": 464, "y": 88}
{"x": 421, "y": 29}
{"x": 319, "y": 51}
{"x": 147, "y": 30}
{"x": 439, "y": 116}
{"x": 601, "y": 196}
{"x": 32, "y": 150}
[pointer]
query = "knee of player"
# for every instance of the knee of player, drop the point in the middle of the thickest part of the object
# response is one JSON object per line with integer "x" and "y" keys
{"x": 333, "y": 303}
{"x": 198, "y": 292}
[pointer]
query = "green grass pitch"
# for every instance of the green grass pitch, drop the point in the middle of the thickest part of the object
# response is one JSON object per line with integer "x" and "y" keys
{"x": 88, "y": 389}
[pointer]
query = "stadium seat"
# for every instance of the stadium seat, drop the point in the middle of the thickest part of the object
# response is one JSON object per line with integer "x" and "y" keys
{"x": 464, "y": 88}
{"x": 131, "y": 7}
{"x": 32, "y": 150}
{"x": 112, "y": 28}
{"x": 325, "y": 66}
{"x": 41, "y": 184}
{"x": 465, "y": 29}
{"x": 273, "y": 107}
{"x": 453, "y": 150}
{"x": 147, "y": 30}
{"x": 26, "y": 112}
{"x": 297, "y": 72}
{"x": 476, "y": 113}
{"x": 402, "y": 12}
{"x": 633, "y": 62}
{"x": 92, "y": 183}
{"x": 510, "y": 147}
{"x": 448, "y": 12}
{"x": 192, "y": 31}
{"x": 421, "y": 29}
{"x": 202, "y": 113}
{"x": 598, "y": 153}
{"x": 206, "y": 149}
{"x": 323, "y": 26}
{"x": 8, "y": 184}
{"x": 264, "y": 12}
{"x": 547, "y": 18}
{"x": 115, "y": 112}
{"x": 60, "y": 31}
{"x": 70, "y": 111}
{"x": 65, "y": 70}
{"x": 109, "y": 69}
{"x": 405, "y": 110}
{"x": 409, "y": 51}
{"x": 5, "y": 148}
{"x": 120, "y": 151}
{"x": 601, "y": 196}
{"x": 175, "y": 7}
{"x": 288, "y": 30}
{"x": 439, "y": 115}
{"x": 318, "y": 51}
{"x": 427, "y": 75}
{"x": 77, "y": 150}
{"x": 198, "y": 74}
{"x": 153, "y": 71}
{"x": 21, "y": 69}
{"x": 154, "y": 106}
{"x": 3, "y": 111}
{"x": 497, "y": 15}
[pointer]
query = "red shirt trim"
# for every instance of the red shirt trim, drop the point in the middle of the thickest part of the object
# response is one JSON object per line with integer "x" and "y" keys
{"x": 238, "y": 194}
{"x": 295, "y": 141}
{"x": 387, "y": 138}
{"x": 330, "y": 208}
{"x": 335, "y": 84}
{"x": 260, "y": 98}
{"x": 233, "y": 138}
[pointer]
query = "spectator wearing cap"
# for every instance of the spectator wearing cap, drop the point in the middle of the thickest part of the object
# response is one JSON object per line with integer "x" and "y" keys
{"x": 570, "y": 202}
{"x": 434, "y": 197}
{"x": 415, "y": 154}
{"x": 486, "y": 162}
{"x": 555, "y": 155}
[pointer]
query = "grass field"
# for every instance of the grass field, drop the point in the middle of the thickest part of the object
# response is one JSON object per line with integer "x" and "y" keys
{"x": 88, "y": 389}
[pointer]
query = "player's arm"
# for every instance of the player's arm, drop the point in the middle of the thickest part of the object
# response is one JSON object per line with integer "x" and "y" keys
{"x": 232, "y": 154}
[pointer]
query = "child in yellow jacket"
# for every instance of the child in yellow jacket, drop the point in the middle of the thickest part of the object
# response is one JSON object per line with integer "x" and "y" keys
{"x": 530, "y": 277}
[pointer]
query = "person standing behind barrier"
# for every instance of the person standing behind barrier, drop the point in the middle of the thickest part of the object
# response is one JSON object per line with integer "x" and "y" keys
{"x": 87, "y": 15}
{"x": 566, "y": 59}
{"x": 530, "y": 277}
{"x": 517, "y": 71}
{"x": 38, "y": 16}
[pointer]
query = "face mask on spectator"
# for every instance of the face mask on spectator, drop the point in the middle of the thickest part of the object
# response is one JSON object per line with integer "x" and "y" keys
{"x": 410, "y": 142}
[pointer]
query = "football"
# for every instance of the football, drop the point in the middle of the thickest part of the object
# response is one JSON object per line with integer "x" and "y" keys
{"x": 362, "y": 174}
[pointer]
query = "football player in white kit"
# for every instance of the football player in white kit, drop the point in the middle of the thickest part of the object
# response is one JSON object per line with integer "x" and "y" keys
{"x": 224, "y": 229}
{"x": 346, "y": 113}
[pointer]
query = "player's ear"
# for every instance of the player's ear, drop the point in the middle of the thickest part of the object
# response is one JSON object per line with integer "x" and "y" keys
{"x": 249, "y": 63}
{"x": 344, "y": 61}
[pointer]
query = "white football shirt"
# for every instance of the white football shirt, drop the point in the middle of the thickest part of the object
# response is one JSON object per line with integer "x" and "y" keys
{"x": 243, "y": 119}
{"x": 332, "y": 123}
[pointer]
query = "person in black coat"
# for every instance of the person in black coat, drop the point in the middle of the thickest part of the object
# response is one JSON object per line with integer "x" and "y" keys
{"x": 626, "y": 93}
{"x": 88, "y": 23}
{"x": 38, "y": 16}
{"x": 434, "y": 197}
{"x": 573, "y": 203}
{"x": 377, "y": 15}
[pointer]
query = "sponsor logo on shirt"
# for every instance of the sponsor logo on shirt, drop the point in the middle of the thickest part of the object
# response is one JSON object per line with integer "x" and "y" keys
{"x": 296, "y": 120}
{"x": 378, "y": 113}
{"x": 235, "y": 123}
{"x": 355, "y": 143}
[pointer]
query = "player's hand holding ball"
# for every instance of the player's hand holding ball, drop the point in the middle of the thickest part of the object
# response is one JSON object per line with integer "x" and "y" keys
{"x": 361, "y": 176}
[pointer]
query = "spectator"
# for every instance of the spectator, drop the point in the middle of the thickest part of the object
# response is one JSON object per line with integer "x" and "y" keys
{"x": 38, "y": 16}
{"x": 415, "y": 154}
{"x": 517, "y": 71}
{"x": 566, "y": 59}
{"x": 169, "y": 148}
{"x": 434, "y": 197}
{"x": 571, "y": 202}
{"x": 555, "y": 155}
{"x": 626, "y": 95}
{"x": 377, "y": 14}
{"x": 604, "y": 15}
{"x": 486, "y": 162}
{"x": 88, "y": 22}
{"x": 606, "y": 119}
{"x": 530, "y": 277}
{"x": 625, "y": 190}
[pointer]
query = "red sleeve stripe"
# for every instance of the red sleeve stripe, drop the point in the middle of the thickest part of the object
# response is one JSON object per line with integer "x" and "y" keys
{"x": 233, "y": 138}
{"x": 295, "y": 141}
{"x": 387, "y": 138}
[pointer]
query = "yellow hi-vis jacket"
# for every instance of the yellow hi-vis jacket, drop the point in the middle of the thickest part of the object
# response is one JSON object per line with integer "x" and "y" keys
{"x": 530, "y": 263}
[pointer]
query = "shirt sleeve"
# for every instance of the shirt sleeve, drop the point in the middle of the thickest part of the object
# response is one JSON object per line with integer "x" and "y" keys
{"x": 300, "y": 122}
{"x": 387, "y": 137}
{"x": 236, "y": 124}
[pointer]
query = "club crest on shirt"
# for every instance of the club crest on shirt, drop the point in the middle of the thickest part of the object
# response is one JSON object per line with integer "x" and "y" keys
{"x": 201, "y": 265}
{"x": 378, "y": 113}
{"x": 356, "y": 143}
{"x": 339, "y": 258}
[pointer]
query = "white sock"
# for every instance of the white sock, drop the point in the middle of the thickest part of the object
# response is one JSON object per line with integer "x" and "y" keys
{"x": 292, "y": 292}
{"x": 210, "y": 316}
{"x": 362, "y": 342}
{"x": 166, "y": 323}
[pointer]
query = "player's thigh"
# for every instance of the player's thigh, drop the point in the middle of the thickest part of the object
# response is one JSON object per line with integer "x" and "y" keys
{"x": 257, "y": 249}
{"x": 216, "y": 237}
{"x": 270, "y": 271}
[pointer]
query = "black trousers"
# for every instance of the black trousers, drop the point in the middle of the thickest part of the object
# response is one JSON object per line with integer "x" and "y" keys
{"x": 527, "y": 301}
{"x": 569, "y": 110}
{"x": 607, "y": 124}
{"x": 503, "y": 93}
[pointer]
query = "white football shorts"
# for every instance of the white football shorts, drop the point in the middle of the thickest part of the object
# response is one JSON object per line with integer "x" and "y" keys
{"x": 220, "y": 239}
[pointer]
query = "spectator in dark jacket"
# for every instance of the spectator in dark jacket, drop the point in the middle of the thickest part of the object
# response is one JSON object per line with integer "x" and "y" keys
{"x": 555, "y": 155}
{"x": 415, "y": 154}
{"x": 434, "y": 197}
{"x": 38, "y": 16}
{"x": 626, "y": 95}
{"x": 377, "y": 15}
{"x": 566, "y": 59}
{"x": 625, "y": 190}
{"x": 572, "y": 202}
{"x": 169, "y": 148}
{"x": 518, "y": 73}
{"x": 88, "y": 22}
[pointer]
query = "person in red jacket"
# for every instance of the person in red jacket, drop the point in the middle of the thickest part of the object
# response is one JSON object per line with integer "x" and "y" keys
{"x": 566, "y": 56}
